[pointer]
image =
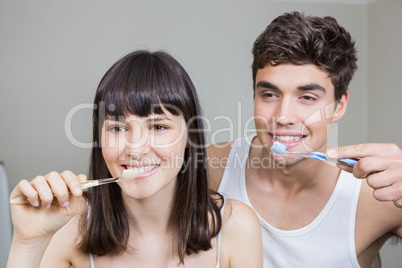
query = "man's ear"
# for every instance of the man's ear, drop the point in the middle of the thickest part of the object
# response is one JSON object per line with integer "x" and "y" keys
{"x": 340, "y": 109}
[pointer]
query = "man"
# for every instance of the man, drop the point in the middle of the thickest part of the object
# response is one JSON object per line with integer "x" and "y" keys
{"x": 312, "y": 213}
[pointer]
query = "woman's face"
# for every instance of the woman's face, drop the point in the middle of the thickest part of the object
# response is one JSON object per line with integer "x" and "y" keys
{"x": 151, "y": 146}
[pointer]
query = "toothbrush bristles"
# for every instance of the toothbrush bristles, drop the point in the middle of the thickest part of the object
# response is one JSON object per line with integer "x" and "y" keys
{"x": 278, "y": 148}
{"x": 128, "y": 174}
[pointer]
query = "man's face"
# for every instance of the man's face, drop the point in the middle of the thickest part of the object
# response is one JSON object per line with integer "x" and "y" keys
{"x": 295, "y": 105}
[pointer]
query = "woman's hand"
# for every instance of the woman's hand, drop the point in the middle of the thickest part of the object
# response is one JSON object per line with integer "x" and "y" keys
{"x": 53, "y": 201}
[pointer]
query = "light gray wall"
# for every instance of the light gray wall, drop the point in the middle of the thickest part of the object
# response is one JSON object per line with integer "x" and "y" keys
{"x": 53, "y": 54}
{"x": 384, "y": 73}
{"x": 385, "y": 90}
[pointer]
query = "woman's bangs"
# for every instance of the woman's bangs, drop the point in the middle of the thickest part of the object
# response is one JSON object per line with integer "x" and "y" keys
{"x": 122, "y": 103}
{"x": 145, "y": 97}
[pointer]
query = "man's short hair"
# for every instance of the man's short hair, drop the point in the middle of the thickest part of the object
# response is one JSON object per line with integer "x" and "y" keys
{"x": 298, "y": 39}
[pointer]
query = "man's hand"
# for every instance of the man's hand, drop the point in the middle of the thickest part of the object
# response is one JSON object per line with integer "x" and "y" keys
{"x": 380, "y": 164}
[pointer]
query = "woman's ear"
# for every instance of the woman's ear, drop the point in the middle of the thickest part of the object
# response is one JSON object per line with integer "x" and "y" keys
{"x": 340, "y": 108}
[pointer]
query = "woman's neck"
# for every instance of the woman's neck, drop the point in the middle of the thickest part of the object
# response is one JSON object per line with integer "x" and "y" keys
{"x": 151, "y": 214}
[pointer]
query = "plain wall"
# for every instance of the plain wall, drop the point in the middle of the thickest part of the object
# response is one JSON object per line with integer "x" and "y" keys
{"x": 53, "y": 54}
{"x": 385, "y": 90}
{"x": 384, "y": 72}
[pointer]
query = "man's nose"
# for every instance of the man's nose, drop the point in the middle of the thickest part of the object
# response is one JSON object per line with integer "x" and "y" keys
{"x": 286, "y": 112}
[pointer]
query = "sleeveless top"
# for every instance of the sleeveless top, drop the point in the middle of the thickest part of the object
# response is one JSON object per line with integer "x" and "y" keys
{"x": 218, "y": 243}
{"x": 328, "y": 241}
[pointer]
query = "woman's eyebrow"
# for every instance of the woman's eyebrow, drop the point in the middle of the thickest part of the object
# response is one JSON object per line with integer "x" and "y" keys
{"x": 153, "y": 118}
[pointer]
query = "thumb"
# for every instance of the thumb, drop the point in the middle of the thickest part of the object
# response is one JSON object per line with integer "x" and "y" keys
{"x": 76, "y": 206}
{"x": 82, "y": 177}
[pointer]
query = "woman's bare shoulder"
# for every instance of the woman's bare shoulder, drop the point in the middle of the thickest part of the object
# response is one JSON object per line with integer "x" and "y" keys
{"x": 241, "y": 235}
{"x": 238, "y": 214}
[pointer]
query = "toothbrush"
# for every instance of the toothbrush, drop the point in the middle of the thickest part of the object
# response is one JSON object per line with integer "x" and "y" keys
{"x": 280, "y": 148}
{"x": 128, "y": 174}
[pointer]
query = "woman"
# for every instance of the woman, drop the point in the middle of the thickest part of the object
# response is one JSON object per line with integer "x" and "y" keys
{"x": 147, "y": 118}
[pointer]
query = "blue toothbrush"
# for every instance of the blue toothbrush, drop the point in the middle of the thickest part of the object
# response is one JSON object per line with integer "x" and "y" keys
{"x": 280, "y": 148}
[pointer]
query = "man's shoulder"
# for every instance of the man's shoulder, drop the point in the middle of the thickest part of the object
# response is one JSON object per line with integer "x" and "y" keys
{"x": 217, "y": 158}
{"x": 221, "y": 149}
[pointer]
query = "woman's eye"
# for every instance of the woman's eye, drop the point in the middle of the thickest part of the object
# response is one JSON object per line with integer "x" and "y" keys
{"x": 158, "y": 127}
{"x": 117, "y": 129}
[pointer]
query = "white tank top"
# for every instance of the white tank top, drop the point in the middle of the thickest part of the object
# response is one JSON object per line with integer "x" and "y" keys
{"x": 328, "y": 241}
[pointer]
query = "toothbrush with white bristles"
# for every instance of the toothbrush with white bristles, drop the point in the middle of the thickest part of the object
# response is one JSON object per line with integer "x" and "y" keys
{"x": 128, "y": 174}
{"x": 280, "y": 148}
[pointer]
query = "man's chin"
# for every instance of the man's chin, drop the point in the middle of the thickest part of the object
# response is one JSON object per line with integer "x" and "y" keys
{"x": 282, "y": 161}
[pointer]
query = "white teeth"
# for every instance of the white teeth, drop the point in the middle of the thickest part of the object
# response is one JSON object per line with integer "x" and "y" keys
{"x": 148, "y": 168}
{"x": 287, "y": 138}
{"x": 141, "y": 169}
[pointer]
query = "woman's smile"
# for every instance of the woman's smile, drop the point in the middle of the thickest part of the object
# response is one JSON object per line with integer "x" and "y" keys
{"x": 143, "y": 171}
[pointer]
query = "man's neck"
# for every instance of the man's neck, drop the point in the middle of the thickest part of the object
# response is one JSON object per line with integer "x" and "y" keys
{"x": 280, "y": 193}
{"x": 305, "y": 174}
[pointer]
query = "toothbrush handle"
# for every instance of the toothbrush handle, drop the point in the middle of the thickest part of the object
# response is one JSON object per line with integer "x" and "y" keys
{"x": 19, "y": 200}
{"x": 340, "y": 161}
{"x": 347, "y": 161}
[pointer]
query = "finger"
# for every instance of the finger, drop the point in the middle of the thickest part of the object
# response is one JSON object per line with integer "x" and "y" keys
{"x": 82, "y": 177}
{"x": 368, "y": 165}
{"x": 77, "y": 204}
{"x": 73, "y": 182}
{"x": 398, "y": 203}
{"x": 43, "y": 189}
{"x": 345, "y": 168}
{"x": 381, "y": 180}
{"x": 382, "y": 194}
{"x": 391, "y": 193}
{"x": 364, "y": 150}
{"x": 59, "y": 188}
{"x": 24, "y": 188}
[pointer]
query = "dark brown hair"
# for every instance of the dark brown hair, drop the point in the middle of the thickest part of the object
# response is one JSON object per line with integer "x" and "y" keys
{"x": 298, "y": 39}
{"x": 141, "y": 83}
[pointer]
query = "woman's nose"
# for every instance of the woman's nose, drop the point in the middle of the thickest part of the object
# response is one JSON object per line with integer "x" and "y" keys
{"x": 138, "y": 144}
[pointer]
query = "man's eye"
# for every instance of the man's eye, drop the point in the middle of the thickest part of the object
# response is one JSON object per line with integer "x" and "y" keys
{"x": 308, "y": 98}
{"x": 268, "y": 95}
{"x": 117, "y": 129}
